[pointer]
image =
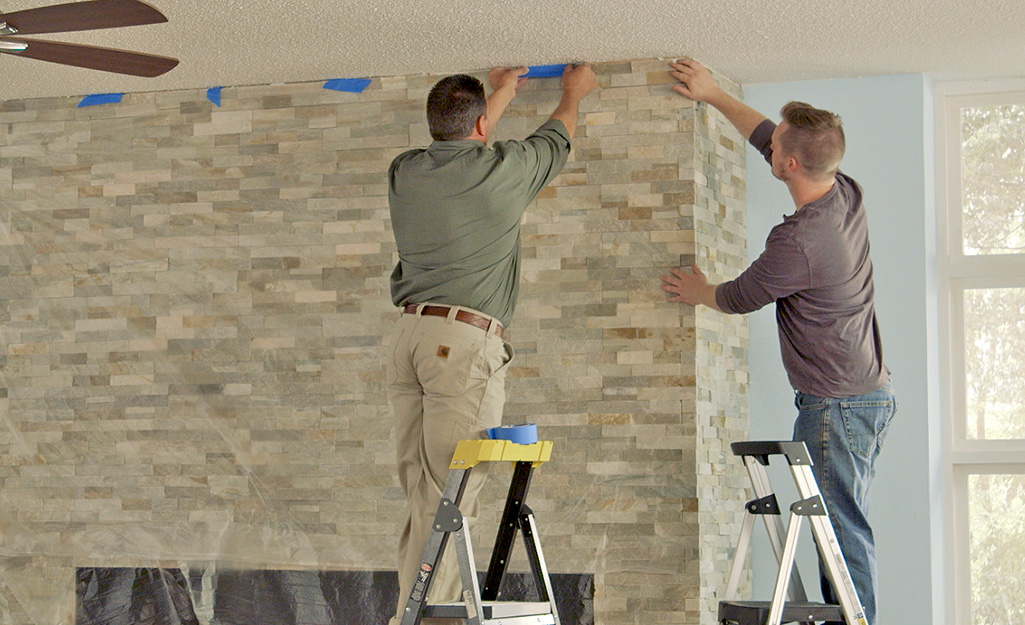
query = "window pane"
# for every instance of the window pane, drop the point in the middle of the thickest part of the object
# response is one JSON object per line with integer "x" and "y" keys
{"x": 993, "y": 179}
{"x": 996, "y": 510}
{"x": 994, "y": 363}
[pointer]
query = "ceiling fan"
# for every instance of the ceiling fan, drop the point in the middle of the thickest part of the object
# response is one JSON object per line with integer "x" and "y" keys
{"x": 88, "y": 15}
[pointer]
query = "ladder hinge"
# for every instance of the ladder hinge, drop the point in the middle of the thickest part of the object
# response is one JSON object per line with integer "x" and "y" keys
{"x": 764, "y": 505}
{"x": 448, "y": 519}
{"x": 811, "y": 506}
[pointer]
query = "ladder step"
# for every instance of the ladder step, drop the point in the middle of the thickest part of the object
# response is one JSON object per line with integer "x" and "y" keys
{"x": 469, "y": 453}
{"x": 757, "y": 612}
{"x": 494, "y": 610}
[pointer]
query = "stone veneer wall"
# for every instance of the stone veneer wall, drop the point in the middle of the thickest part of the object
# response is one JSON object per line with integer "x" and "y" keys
{"x": 194, "y": 312}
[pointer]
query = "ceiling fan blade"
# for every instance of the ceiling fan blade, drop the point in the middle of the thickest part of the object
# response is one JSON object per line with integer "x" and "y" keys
{"x": 90, "y": 57}
{"x": 89, "y": 15}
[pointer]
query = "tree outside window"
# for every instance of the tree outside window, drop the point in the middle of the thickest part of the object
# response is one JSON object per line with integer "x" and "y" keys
{"x": 992, "y": 247}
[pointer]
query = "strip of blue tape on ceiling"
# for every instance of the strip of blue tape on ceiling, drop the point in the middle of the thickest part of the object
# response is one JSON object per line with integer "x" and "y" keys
{"x": 100, "y": 98}
{"x": 352, "y": 85}
{"x": 214, "y": 95}
{"x": 545, "y": 71}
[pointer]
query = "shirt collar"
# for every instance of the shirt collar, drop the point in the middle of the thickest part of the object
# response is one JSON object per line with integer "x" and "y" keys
{"x": 459, "y": 144}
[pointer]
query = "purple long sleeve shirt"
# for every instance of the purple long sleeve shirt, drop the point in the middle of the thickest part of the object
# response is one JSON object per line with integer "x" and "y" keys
{"x": 816, "y": 268}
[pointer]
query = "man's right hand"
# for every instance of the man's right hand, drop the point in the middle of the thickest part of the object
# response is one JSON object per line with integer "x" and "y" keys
{"x": 504, "y": 77}
{"x": 696, "y": 81}
{"x": 578, "y": 81}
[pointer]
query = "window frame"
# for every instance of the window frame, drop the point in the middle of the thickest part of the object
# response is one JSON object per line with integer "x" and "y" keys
{"x": 957, "y": 273}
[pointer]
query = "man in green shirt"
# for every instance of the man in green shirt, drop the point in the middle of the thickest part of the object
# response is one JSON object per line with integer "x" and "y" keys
{"x": 455, "y": 209}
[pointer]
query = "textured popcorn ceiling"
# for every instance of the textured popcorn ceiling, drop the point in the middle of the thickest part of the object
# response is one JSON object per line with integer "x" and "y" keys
{"x": 245, "y": 42}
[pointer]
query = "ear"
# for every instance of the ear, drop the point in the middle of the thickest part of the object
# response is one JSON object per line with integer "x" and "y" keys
{"x": 482, "y": 126}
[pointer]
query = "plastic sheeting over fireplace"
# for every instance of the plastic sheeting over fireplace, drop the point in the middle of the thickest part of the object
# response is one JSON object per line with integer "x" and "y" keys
{"x": 204, "y": 596}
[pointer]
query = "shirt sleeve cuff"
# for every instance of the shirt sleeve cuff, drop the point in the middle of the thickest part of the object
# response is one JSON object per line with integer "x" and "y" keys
{"x": 720, "y": 298}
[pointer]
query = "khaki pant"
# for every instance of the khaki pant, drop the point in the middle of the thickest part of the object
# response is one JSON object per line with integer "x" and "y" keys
{"x": 446, "y": 383}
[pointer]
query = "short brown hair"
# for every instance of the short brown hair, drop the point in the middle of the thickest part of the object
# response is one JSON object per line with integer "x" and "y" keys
{"x": 815, "y": 137}
{"x": 453, "y": 106}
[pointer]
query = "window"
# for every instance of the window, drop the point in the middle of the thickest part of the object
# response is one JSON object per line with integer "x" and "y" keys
{"x": 981, "y": 259}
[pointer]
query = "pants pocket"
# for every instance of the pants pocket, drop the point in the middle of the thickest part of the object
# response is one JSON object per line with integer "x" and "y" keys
{"x": 444, "y": 367}
{"x": 865, "y": 423}
{"x": 394, "y": 367}
{"x": 493, "y": 359}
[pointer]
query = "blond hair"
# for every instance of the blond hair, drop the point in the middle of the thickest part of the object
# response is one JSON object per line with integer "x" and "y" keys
{"x": 814, "y": 137}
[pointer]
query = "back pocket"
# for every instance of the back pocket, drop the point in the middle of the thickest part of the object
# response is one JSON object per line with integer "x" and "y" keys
{"x": 865, "y": 423}
{"x": 444, "y": 367}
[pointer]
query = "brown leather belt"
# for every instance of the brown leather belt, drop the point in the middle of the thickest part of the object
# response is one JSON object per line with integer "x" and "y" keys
{"x": 480, "y": 321}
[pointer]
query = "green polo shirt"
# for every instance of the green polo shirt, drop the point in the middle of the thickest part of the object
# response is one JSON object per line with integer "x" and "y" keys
{"x": 455, "y": 211}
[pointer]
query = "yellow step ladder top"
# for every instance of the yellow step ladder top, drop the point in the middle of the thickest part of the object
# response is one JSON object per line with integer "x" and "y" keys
{"x": 471, "y": 452}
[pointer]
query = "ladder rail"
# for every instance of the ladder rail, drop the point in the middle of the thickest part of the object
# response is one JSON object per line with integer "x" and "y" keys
{"x": 739, "y": 557}
{"x": 436, "y": 543}
{"x": 786, "y": 566}
{"x": 532, "y": 543}
{"x": 505, "y": 538}
{"x": 773, "y": 524}
{"x": 829, "y": 550}
{"x": 468, "y": 575}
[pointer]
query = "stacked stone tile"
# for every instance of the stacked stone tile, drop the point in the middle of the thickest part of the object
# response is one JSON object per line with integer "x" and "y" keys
{"x": 195, "y": 311}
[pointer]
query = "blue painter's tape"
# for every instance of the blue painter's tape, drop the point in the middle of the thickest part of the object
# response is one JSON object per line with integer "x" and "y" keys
{"x": 353, "y": 85}
{"x": 100, "y": 98}
{"x": 523, "y": 434}
{"x": 545, "y": 71}
{"x": 214, "y": 95}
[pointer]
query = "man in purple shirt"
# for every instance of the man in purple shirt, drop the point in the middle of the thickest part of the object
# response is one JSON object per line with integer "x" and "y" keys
{"x": 817, "y": 270}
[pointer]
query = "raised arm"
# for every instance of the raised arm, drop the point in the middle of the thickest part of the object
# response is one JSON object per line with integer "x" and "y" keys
{"x": 696, "y": 83}
{"x": 577, "y": 82}
{"x": 504, "y": 81}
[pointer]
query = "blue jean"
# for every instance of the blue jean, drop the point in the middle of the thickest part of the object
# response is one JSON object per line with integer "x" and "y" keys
{"x": 844, "y": 437}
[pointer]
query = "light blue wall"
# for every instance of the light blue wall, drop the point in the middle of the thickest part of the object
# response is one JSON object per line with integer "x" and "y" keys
{"x": 888, "y": 122}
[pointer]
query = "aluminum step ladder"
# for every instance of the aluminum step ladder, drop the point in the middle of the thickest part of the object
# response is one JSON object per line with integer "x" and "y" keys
{"x": 789, "y": 602}
{"x": 481, "y": 606}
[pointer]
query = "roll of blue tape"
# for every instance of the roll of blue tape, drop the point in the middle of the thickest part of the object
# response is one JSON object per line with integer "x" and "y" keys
{"x": 523, "y": 434}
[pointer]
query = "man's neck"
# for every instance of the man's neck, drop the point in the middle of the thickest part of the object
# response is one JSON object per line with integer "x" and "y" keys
{"x": 804, "y": 191}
